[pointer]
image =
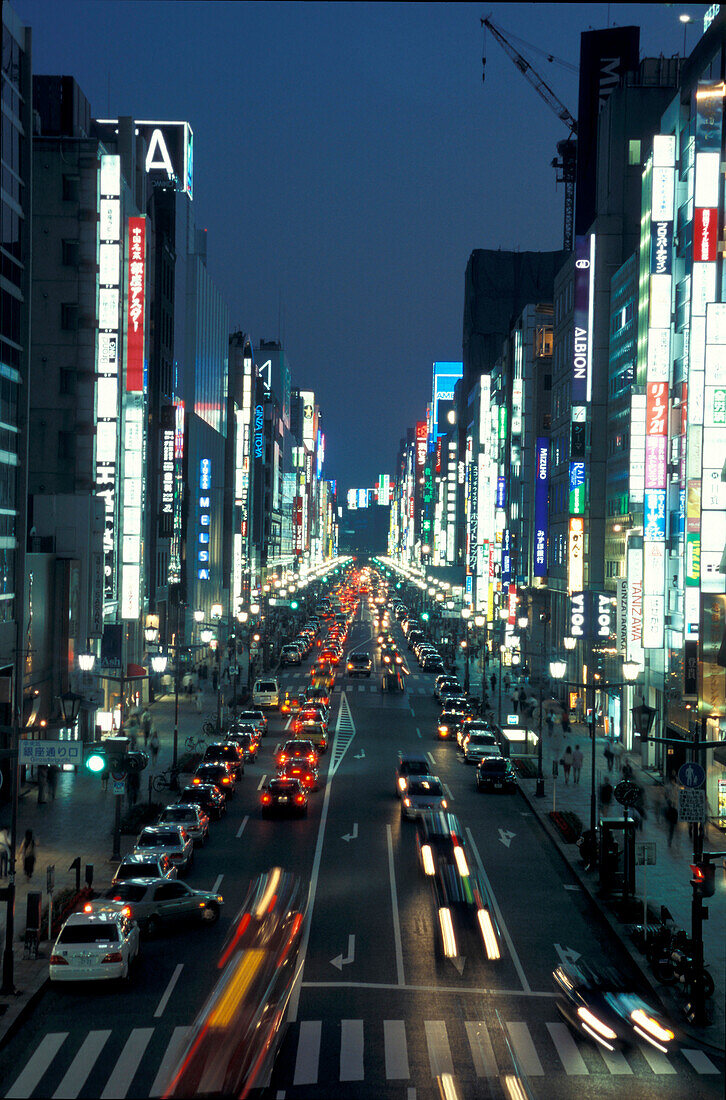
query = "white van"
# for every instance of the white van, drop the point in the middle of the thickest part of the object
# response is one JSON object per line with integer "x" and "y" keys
{"x": 266, "y": 693}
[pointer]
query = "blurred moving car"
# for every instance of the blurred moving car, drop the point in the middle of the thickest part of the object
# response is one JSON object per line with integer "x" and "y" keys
{"x": 440, "y": 836}
{"x": 602, "y": 1004}
{"x": 284, "y": 795}
{"x": 234, "y": 1040}
{"x": 153, "y": 902}
{"x": 496, "y": 773}
{"x": 290, "y": 703}
{"x": 479, "y": 743}
{"x": 94, "y": 947}
{"x": 463, "y": 911}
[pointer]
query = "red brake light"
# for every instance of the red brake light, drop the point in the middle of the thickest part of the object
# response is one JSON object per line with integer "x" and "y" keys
{"x": 113, "y": 957}
{"x": 299, "y": 797}
{"x": 58, "y": 960}
{"x": 266, "y": 798}
{"x": 196, "y": 781}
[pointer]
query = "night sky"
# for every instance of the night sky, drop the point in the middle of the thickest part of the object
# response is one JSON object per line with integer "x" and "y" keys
{"x": 347, "y": 159}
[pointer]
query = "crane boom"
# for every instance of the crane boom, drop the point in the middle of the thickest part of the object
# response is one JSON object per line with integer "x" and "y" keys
{"x": 540, "y": 86}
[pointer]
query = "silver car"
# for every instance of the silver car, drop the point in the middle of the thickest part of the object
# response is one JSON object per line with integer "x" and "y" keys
{"x": 145, "y": 865}
{"x": 191, "y": 817}
{"x": 169, "y": 840}
{"x": 478, "y": 744}
{"x": 423, "y": 792}
{"x": 154, "y": 902}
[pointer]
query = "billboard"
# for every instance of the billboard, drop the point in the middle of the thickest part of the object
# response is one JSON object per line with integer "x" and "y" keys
{"x": 135, "y": 306}
{"x": 541, "y": 507}
{"x": 169, "y": 150}
{"x": 445, "y": 377}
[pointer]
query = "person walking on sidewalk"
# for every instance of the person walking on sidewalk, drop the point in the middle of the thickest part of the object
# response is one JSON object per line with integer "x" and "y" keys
{"x": 670, "y": 813}
{"x": 609, "y": 754}
{"x": 198, "y": 700}
{"x": 577, "y": 759}
{"x": 4, "y": 851}
{"x": 606, "y": 794}
{"x": 28, "y": 852}
{"x": 493, "y": 681}
{"x": 154, "y": 746}
{"x": 52, "y": 780}
{"x": 567, "y": 763}
{"x": 146, "y": 725}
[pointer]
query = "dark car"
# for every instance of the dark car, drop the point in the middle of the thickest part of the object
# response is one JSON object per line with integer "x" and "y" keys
{"x": 220, "y": 753}
{"x": 221, "y": 775}
{"x": 449, "y": 722}
{"x": 248, "y": 744}
{"x": 206, "y": 795}
{"x": 409, "y": 764}
{"x": 302, "y": 771}
{"x": 285, "y": 796}
{"x": 290, "y": 655}
{"x": 359, "y": 664}
{"x": 496, "y": 773}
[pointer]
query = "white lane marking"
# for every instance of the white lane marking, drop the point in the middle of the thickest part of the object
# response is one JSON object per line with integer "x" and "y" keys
{"x": 615, "y": 1061}
{"x": 567, "y": 1049}
{"x": 495, "y": 905}
{"x": 396, "y": 1050}
{"x": 394, "y": 907}
{"x": 447, "y": 788}
{"x": 410, "y": 1094}
{"x": 120, "y": 1080}
{"x": 418, "y": 732}
{"x": 527, "y": 1056}
{"x": 241, "y": 829}
{"x": 287, "y": 724}
{"x": 169, "y": 1061}
{"x": 431, "y": 758}
{"x": 170, "y": 987}
{"x": 460, "y": 990}
{"x": 344, "y": 717}
{"x": 655, "y": 1059}
{"x": 700, "y": 1061}
{"x": 482, "y": 1051}
{"x": 308, "y": 1053}
{"x": 261, "y": 783}
{"x": 217, "y": 883}
{"x": 38, "y": 1064}
{"x": 351, "y": 1050}
{"x": 437, "y": 1042}
{"x": 79, "y": 1069}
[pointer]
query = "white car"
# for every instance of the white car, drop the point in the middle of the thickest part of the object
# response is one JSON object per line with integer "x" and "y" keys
{"x": 94, "y": 947}
{"x": 191, "y": 817}
{"x": 423, "y": 792}
{"x": 171, "y": 840}
{"x": 478, "y": 744}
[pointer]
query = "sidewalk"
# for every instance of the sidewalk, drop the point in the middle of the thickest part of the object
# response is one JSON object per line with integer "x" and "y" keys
{"x": 668, "y": 881}
{"x": 79, "y": 822}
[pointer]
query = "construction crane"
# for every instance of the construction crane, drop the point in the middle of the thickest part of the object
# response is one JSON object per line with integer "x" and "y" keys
{"x": 566, "y": 161}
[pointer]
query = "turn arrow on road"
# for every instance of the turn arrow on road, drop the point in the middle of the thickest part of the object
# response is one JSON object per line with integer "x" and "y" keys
{"x": 339, "y": 961}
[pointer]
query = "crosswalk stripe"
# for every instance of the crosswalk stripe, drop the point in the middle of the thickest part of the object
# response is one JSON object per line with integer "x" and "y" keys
{"x": 615, "y": 1061}
{"x": 79, "y": 1069}
{"x": 308, "y": 1053}
{"x": 168, "y": 1062}
{"x": 524, "y": 1049}
{"x": 482, "y": 1051}
{"x": 396, "y": 1050}
{"x": 656, "y": 1059}
{"x": 351, "y": 1050}
{"x": 700, "y": 1061}
{"x": 38, "y": 1064}
{"x": 439, "y": 1050}
{"x": 120, "y": 1080}
{"x": 566, "y": 1047}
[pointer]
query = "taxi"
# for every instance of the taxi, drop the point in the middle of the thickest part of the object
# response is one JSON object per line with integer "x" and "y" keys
{"x": 290, "y": 703}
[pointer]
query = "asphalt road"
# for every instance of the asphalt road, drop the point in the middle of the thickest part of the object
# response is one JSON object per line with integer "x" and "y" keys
{"x": 377, "y": 1014}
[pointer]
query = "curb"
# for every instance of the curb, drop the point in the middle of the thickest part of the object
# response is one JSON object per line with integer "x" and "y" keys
{"x": 613, "y": 924}
{"x": 9, "y": 1029}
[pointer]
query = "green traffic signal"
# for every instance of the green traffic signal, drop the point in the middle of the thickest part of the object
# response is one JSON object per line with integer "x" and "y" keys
{"x": 95, "y": 762}
{"x": 294, "y": 605}
{"x": 425, "y": 616}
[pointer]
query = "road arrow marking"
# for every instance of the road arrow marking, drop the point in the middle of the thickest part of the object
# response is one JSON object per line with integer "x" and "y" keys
{"x": 339, "y": 961}
{"x": 459, "y": 961}
{"x": 567, "y": 954}
{"x": 506, "y": 837}
{"x": 359, "y": 755}
{"x": 353, "y": 835}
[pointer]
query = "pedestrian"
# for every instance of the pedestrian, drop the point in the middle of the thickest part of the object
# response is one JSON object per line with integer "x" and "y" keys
{"x": 506, "y": 682}
{"x": 522, "y": 699}
{"x": 28, "y": 853}
{"x": 550, "y": 722}
{"x": 493, "y": 681}
{"x": 198, "y": 701}
{"x": 132, "y": 787}
{"x": 146, "y": 725}
{"x": 627, "y": 770}
{"x": 567, "y": 763}
{"x": 154, "y": 745}
{"x": 514, "y": 704}
{"x": 52, "y": 780}
{"x": 215, "y": 679}
{"x": 4, "y": 851}
{"x": 670, "y": 813}
{"x": 577, "y": 759}
{"x": 42, "y": 783}
{"x": 609, "y": 754}
{"x": 606, "y": 794}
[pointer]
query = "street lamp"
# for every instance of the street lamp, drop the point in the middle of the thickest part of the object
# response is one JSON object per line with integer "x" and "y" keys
{"x": 569, "y": 642}
{"x": 198, "y": 616}
{"x": 558, "y": 669}
{"x": 522, "y": 622}
{"x": 70, "y": 704}
{"x": 158, "y": 663}
{"x": 86, "y": 661}
{"x": 206, "y": 635}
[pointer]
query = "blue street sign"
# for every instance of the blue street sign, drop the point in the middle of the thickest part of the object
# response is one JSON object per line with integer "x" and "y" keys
{"x": 691, "y": 776}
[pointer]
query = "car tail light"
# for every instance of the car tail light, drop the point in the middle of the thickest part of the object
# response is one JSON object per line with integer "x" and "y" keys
{"x": 461, "y": 861}
{"x": 447, "y": 933}
{"x": 113, "y": 957}
{"x": 283, "y": 758}
{"x": 126, "y": 912}
{"x": 428, "y": 860}
{"x": 88, "y": 908}
{"x": 401, "y": 784}
{"x": 489, "y": 936}
{"x": 196, "y": 781}
{"x": 226, "y": 779}
{"x": 58, "y": 960}
{"x": 407, "y": 801}
{"x": 299, "y": 797}
{"x": 266, "y": 798}
{"x": 311, "y": 758}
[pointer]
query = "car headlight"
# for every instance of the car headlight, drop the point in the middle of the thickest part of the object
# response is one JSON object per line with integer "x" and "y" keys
{"x": 461, "y": 861}
{"x": 592, "y": 1024}
{"x": 447, "y": 933}
{"x": 649, "y": 1028}
{"x": 401, "y": 784}
{"x": 489, "y": 936}
{"x": 427, "y": 860}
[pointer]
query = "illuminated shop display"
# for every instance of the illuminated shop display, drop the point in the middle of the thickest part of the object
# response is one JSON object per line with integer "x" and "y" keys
{"x": 204, "y": 502}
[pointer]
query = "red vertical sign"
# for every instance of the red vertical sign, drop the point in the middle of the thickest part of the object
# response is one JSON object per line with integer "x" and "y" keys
{"x": 136, "y": 306}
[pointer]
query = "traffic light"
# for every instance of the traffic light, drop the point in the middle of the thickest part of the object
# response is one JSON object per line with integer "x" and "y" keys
{"x": 294, "y": 605}
{"x": 424, "y": 616}
{"x": 704, "y": 878}
{"x": 112, "y": 755}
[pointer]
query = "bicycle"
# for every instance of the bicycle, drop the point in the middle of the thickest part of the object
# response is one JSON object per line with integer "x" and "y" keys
{"x": 209, "y": 726}
{"x": 196, "y": 744}
{"x": 166, "y": 781}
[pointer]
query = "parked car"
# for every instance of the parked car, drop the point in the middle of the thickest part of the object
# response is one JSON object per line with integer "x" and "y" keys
{"x": 496, "y": 773}
{"x": 148, "y": 865}
{"x": 94, "y": 947}
{"x": 190, "y": 816}
{"x": 170, "y": 840}
{"x": 225, "y": 753}
{"x": 154, "y": 902}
